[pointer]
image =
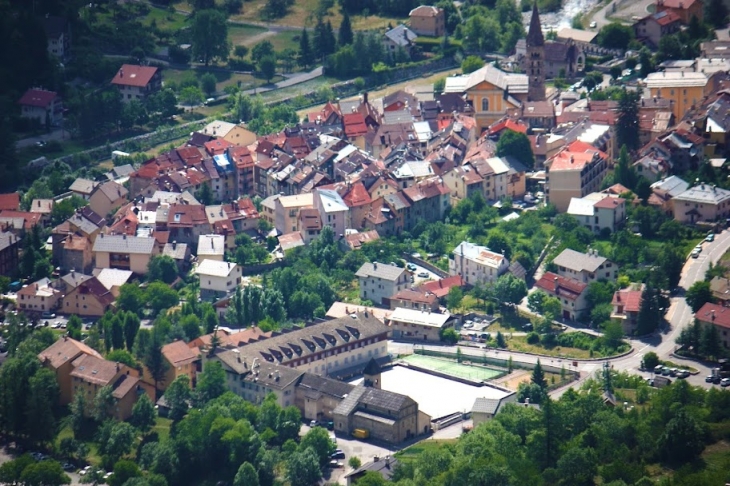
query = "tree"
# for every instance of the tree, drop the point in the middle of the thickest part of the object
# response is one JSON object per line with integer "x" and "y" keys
{"x": 131, "y": 327}
{"x": 117, "y": 332}
{"x": 651, "y": 311}
{"x": 77, "y": 417}
{"x": 212, "y": 382}
{"x": 613, "y": 334}
{"x": 124, "y": 471}
{"x": 208, "y": 81}
{"x": 354, "y": 462}
{"x": 163, "y": 102}
{"x": 710, "y": 342}
{"x": 471, "y": 64}
{"x": 306, "y": 57}
{"x": 682, "y": 439}
{"x": 246, "y": 475}
{"x": 131, "y": 298}
{"x": 454, "y": 297}
{"x": 538, "y": 376}
{"x": 650, "y": 361}
{"x": 103, "y": 403}
{"x": 501, "y": 343}
{"x": 267, "y": 66}
{"x": 509, "y": 289}
{"x": 204, "y": 195}
{"x": 517, "y": 145}
{"x": 143, "y": 414}
{"x": 623, "y": 172}
{"x": 449, "y": 335}
{"x": 42, "y": 397}
{"x": 119, "y": 443}
{"x": 318, "y": 440}
{"x": 303, "y": 467}
{"x": 716, "y": 13}
{"x": 191, "y": 96}
{"x": 209, "y": 35}
{"x": 161, "y": 297}
{"x": 578, "y": 466}
{"x": 274, "y": 9}
{"x": 177, "y": 396}
{"x": 233, "y": 6}
{"x": 535, "y": 301}
{"x": 190, "y": 325}
{"x": 627, "y": 124}
{"x": 615, "y": 36}
{"x": 44, "y": 473}
{"x": 240, "y": 51}
{"x": 345, "y": 36}
{"x": 154, "y": 360}
{"x": 73, "y": 327}
{"x": 261, "y": 50}
{"x": 698, "y": 295}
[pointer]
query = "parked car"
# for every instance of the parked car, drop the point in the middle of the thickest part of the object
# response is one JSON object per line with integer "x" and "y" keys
{"x": 68, "y": 467}
{"x": 335, "y": 463}
{"x": 338, "y": 454}
{"x": 710, "y": 237}
{"x": 725, "y": 382}
{"x": 423, "y": 274}
{"x": 412, "y": 267}
{"x": 593, "y": 24}
{"x": 709, "y": 378}
{"x": 314, "y": 423}
{"x": 48, "y": 315}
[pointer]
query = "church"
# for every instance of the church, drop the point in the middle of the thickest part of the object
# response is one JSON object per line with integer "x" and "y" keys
{"x": 559, "y": 58}
{"x": 492, "y": 92}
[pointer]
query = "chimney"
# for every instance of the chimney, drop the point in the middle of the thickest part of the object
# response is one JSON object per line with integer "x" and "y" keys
{"x": 121, "y": 72}
{"x": 212, "y": 244}
{"x": 174, "y": 244}
{"x": 118, "y": 367}
{"x": 365, "y": 97}
{"x": 527, "y": 400}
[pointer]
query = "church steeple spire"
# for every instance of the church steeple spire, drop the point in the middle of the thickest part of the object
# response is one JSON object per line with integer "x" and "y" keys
{"x": 535, "y": 58}
{"x": 534, "y": 36}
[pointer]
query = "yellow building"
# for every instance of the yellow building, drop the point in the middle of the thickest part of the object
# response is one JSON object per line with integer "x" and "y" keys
{"x": 575, "y": 171}
{"x": 685, "y": 89}
{"x": 491, "y": 92}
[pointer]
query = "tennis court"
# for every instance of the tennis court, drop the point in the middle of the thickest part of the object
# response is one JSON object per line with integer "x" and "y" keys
{"x": 452, "y": 368}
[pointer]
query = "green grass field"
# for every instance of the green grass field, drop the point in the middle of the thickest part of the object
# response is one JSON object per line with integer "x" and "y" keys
{"x": 452, "y": 368}
{"x": 239, "y": 34}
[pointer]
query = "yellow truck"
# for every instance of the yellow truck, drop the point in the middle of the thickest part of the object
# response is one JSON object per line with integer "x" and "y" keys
{"x": 360, "y": 433}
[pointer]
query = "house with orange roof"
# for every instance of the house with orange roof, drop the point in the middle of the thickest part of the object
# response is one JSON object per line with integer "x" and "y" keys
{"x": 716, "y": 315}
{"x": 91, "y": 299}
{"x": 217, "y": 146}
{"x": 570, "y": 292}
{"x": 429, "y": 200}
{"x": 41, "y": 105}
{"x": 476, "y": 264}
{"x": 58, "y": 357}
{"x": 91, "y": 373}
{"x": 10, "y": 202}
{"x": 243, "y": 161}
{"x": 440, "y": 288}
{"x": 626, "y": 306}
{"x": 414, "y": 299}
{"x": 355, "y": 129}
{"x": 181, "y": 361}
{"x": 187, "y": 222}
{"x": 684, "y": 9}
{"x": 137, "y": 82}
{"x": 653, "y": 27}
{"x": 574, "y": 172}
{"x": 355, "y": 241}
{"x": 19, "y": 221}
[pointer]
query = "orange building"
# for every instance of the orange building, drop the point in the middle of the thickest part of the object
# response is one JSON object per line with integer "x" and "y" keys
{"x": 58, "y": 357}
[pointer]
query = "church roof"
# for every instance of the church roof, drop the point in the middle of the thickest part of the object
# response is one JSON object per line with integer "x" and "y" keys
{"x": 372, "y": 368}
{"x": 534, "y": 36}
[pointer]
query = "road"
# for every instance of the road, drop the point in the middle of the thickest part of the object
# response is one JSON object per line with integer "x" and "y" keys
{"x": 620, "y": 9}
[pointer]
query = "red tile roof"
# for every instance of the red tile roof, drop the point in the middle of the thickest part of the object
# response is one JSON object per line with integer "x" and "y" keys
{"x": 714, "y": 314}
{"x": 682, "y": 4}
{"x": 671, "y": 17}
{"x": 241, "y": 156}
{"x": 630, "y": 299}
{"x": 177, "y": 353}
{"x": 37, "y": 97}
{"x": 509, "y": 125}
{"x": 10, "y": 201}
{"x": 190, "y": 155}
{"x": 555, "y": 284}
{"x": 609, "y": 203}
{"x": 421, "y": 297}
{"x": 354, "y": 125}
{"x": 217, "y": 146}
{"x": 575, "y": 156}
{"x": 440, "y": 288}
{"x": 357, "y": 195}
{"x": 133, "y": 75}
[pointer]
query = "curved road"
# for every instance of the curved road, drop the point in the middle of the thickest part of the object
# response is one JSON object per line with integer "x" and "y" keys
{"x": 663, "y": 344}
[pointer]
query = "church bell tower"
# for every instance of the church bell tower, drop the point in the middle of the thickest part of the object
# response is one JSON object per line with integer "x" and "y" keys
{"x": 535, "y": 58}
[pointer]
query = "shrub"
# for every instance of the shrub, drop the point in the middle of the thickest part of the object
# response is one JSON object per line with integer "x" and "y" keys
{"x": 533, "y": 338}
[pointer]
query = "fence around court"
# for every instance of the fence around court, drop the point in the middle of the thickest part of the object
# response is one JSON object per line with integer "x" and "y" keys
{"x": 499, "y": 363}
{"x": 452, "y": 368}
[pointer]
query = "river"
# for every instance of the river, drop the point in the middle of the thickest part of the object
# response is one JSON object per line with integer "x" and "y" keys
{"x": 563, "y": 17}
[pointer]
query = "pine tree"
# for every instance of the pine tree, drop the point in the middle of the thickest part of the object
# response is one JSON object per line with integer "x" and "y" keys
{"x": 345, "y": 36}
{"x": 538, "y": 376}
{"x": 305, "y": 50}
{"x": 627, "y": 125}
{"x": 624, "y": 174}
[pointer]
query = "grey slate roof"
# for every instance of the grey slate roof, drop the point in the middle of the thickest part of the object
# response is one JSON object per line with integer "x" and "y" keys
{"x": 326, "y": 386}
{"x": 305, "y": 341}
{"x": 579, "y": 262}
{"x": 380, "y": 270}
{"x": 485, "y": 405}
{"x": 401, "y": 35}
{"x": 7, "y": 239}
{"x": 176, "y": 251}
{"x": 124, "y": 244}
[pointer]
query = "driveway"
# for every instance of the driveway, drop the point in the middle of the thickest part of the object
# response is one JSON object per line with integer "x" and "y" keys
{"x": 56, "y": 134}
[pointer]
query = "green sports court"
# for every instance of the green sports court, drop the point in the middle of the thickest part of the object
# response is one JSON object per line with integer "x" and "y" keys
{"x": 452, "y": 368}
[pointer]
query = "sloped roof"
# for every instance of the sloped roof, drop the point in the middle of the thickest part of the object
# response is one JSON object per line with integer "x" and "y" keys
{"x": 133, "y": 75}
{"x": 39, "y": 98}
{"x": 63, "y": 350}
{"x": 629, "y": 299}
{"x": 578, "y": 261}
{"x": 714, "y": 314}
{"x": 555, "y": 284}
{"x": 124, "y": 244}
{"x": 177, "y": 353}
{"x": 380, "y": 270}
